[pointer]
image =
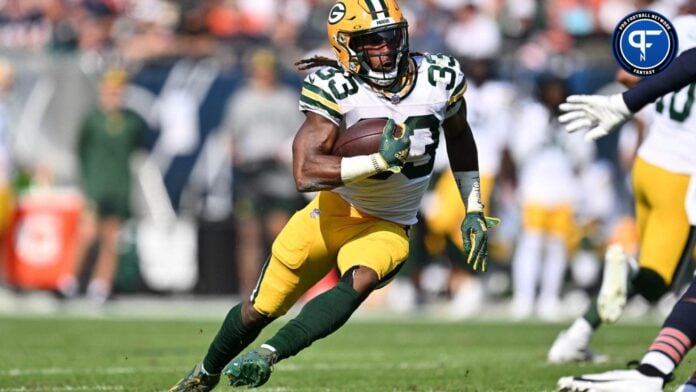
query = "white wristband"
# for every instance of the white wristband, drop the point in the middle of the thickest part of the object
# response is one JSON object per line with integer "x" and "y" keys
{"x": 469, "y": 185}
{"x": 361, "y": 166}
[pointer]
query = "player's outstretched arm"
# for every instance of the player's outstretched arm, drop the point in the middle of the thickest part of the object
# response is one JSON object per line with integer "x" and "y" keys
{"x": 603, "y": 114}
{"x": 463, "y": 158}
{"x": 681, "y": 73}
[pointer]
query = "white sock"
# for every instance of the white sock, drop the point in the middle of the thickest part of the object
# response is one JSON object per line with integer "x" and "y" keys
{"x": 525, "y": 267}
{"x": 660, "y": 361}
{"x": 581, "y": 329}
{"x": 553, "y": 271}
{"x": 207, "y": 372}
{"x": 269, "y": 347}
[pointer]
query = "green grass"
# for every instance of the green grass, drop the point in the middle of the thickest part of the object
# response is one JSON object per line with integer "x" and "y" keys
{"x": 54, "y": 354}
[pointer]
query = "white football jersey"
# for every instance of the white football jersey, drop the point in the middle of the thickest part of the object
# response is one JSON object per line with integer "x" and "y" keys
{"x": 671, "y": 142}
{"x": 547, "y": 157}
{"x": 488, "y": 111}
{"x": 437, "y": 93}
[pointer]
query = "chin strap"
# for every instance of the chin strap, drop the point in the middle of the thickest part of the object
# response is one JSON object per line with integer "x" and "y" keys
{"x": 402, "y": 85}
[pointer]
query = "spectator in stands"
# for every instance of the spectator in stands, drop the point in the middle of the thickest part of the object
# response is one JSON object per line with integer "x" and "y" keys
{"x": 108, "y": 136}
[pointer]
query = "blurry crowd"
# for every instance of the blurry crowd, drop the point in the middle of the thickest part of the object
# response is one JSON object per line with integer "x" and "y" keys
{"x": 207, "y": 93}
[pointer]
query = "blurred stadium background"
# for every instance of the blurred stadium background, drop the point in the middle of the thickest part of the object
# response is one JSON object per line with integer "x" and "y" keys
{"x": 214, "y": 84}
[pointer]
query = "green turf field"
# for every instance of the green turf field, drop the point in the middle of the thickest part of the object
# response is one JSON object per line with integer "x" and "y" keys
{"x": 48, "y": 354}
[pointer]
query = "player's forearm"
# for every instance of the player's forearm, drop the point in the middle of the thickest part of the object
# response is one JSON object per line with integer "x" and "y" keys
{"x": 362, "y": 166}
{"x": 469, "y": 185}
{"x": 461, "y": 150}
{"x": 323, "y": 172}
{"x": 317, "y": 173}
{"x": 681, "y": 73}
{"x": 463, "y": 158}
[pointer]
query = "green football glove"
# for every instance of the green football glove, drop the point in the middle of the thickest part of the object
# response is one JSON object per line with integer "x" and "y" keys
{"x": 475, "y": 234}
{"x": 394, "y": 149}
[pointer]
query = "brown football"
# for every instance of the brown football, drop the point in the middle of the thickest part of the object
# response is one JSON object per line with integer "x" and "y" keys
{"x": 362, "y": 138}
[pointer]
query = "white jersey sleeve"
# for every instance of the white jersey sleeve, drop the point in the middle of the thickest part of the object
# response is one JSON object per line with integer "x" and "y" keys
{"x": 319, "y": 94}
{"x": 446, "y": 73}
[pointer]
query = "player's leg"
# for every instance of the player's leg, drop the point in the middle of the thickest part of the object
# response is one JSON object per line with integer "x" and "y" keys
{"x": 526, "y": 262}
{"x": 663, "y": 230}
{"x": 285, "y": 276}
{"x": 665, "y": 353}
{"x": 619, "y": 268}
{"x": 676, "y": 337}
{"x": 572, "y": 344}
{"x": 364, "y": 262}
{"x": 665, "y": 233}
{"x": 279, "y": 288}
{"x": 561, "y": 226}
{"x": 371, "y": 254}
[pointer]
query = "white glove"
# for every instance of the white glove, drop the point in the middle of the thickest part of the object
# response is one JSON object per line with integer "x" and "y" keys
{"x": 601, "y": 113}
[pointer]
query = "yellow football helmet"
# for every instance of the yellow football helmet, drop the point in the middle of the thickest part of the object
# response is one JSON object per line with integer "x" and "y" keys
{"x": 353, "y": 24}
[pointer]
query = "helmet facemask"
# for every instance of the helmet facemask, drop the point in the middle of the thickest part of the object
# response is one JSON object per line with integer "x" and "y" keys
{"x": 368, "y": 47}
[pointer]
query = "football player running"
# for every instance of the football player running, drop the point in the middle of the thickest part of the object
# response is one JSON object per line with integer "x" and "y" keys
{"x": 359, "y": 219}
{"x": 603, "y": 115}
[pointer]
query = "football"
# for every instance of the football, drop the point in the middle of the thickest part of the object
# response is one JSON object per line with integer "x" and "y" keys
{"x": 362, "y": 138}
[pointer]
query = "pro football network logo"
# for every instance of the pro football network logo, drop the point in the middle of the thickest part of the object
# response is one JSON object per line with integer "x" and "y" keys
{"x": 644, "y": 43}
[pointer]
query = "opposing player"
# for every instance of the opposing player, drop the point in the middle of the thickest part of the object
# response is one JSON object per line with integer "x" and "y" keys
{"x": 603, "y": 114}
{"x": 666, "y": 352}
{"x": 359, "y": 219}
{"x": 661, "y": 173}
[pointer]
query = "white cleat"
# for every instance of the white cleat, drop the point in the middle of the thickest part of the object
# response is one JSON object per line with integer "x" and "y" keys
{"x": 611, "y": 381}
{"x": 686, "y": 388}
{"x": 612, "y": 295}
{"x": 568, "y": 349}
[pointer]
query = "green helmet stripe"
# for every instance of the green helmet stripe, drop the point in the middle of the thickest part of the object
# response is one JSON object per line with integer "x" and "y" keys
{"x": 385, "y": 9}
{"x": 371, "y": 6}
{"x": 377, "y": 7}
